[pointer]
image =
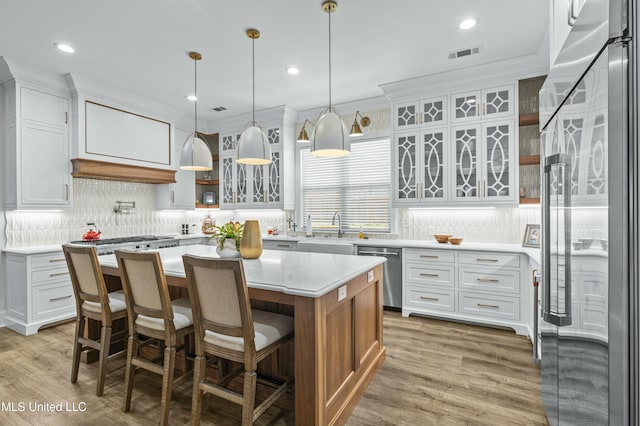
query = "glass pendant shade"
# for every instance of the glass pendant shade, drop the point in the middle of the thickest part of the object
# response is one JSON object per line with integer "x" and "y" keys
{"x": 195, "y": 155}
{"x": 330, "y": 137}
{"x": 254, "y": 147}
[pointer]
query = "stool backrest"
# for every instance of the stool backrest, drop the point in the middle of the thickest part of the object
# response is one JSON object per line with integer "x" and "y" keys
{"x": 86, "y": 276}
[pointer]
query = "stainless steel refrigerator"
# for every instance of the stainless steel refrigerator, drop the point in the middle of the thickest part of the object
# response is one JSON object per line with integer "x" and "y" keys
{"x": 587, "y": 111}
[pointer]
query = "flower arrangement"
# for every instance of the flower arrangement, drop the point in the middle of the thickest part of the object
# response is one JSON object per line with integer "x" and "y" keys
{"x": 230, "y": 230}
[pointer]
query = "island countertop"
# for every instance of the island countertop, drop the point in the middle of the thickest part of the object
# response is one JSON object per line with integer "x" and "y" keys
{"x": 289, "y": 272}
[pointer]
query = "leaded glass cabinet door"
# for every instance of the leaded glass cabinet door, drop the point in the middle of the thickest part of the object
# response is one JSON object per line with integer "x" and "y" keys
{"x": 498, "y": 162}
{"x": 466, "y": 175}
{"x": 433, "y": 156}
{"x": 241, "y": 183}
{"x": 228, "y": 143}
{"x": 273, "y": 134}
{"x": 465, "y": 106}
{"x": 497, "y": 102}
{"x": 433, "y": 111}
{"x": 274, "y": 181}
{"x": 227, "y": 184}
{"x": 406, "y": 168}
{"x": 406, "y": 116}
{"x": 258, "y": 187}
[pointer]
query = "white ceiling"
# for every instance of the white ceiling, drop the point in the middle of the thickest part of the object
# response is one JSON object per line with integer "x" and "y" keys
{"x": 141, "y": 46}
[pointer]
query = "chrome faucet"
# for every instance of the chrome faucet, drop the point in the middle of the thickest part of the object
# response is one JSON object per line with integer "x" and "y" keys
{"x": 333, "y": 222}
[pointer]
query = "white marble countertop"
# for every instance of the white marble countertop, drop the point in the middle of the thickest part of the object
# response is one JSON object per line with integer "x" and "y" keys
{"x": 290, "y": 272}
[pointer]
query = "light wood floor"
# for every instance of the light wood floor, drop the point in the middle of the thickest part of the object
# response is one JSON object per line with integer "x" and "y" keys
{"x": 436, "y": 373}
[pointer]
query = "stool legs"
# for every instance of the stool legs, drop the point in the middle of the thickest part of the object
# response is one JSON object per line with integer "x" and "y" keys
{"x": 105, "y": 343}
{"x": 167, "y": 382}
{"x": 199, "y": 370}
{"x": 132, "y": 349}
{"x": 77, "y": 348}
{"x": 249, "y": 394}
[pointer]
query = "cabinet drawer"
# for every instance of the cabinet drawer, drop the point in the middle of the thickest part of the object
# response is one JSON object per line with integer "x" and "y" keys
{"x": 49, "y": 275}
{"x": 490, "y": 306}
{"x": 418, "y": 297}
{"x": 489, "y": 279}
{"x": 279, "y": 245}
{"x": 437, "y": 256}
{"x": 421, "y": 273}
{"x": 52, "y": 300}
{"x": 490, "y": 259}
{"x": 50, "y": 260}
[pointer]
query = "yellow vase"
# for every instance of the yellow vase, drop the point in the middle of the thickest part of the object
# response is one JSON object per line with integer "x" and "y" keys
{"x": 251, "y": 242}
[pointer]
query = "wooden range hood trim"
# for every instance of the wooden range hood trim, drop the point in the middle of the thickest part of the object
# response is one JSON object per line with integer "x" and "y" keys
{"x": 92, "y": 169}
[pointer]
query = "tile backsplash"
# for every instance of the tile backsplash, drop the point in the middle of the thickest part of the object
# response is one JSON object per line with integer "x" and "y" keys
{"x": 94, "y": 201}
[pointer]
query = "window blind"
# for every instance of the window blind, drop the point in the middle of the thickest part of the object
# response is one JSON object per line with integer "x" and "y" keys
{"x": 358, "y": 186}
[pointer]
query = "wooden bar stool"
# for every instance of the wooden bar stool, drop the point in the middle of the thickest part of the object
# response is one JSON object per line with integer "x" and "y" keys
{"x": 225, "y": 326}
{"x": 93, "y": 302}
{"x": 152, "y": 313}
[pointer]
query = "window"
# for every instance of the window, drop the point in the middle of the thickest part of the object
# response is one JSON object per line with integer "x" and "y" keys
{"x": 358, "y": 186}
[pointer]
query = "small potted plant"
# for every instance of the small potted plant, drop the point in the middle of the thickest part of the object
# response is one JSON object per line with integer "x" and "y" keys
{"x": 228, "y": 237}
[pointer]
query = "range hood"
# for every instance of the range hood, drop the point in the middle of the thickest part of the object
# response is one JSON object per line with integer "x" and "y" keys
{"x": 92, "y": 169}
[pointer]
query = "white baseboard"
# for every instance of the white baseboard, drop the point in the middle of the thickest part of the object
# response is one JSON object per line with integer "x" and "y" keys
{"x": 3, "y": 321}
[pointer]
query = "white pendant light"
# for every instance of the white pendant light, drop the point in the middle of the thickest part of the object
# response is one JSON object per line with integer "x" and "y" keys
{"x": 253, "y": 146}
{"x": 195, "y": 155}
{"x": 330, "y": 137}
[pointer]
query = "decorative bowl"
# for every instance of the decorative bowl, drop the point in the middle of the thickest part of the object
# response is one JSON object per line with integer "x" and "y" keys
{"x": 455, "y": 240}
{"x": 442, "y": 238}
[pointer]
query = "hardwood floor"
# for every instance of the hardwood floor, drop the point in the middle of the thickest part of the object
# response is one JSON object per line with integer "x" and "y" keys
{"x": 436, "y": 373}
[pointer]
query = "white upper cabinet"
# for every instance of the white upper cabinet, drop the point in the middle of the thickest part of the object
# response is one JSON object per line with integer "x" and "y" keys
{"x": 563, "y": 14}
{"x": 484, "y": 165}
{"x": 247, "y": 186}
{"x": 180, "y": 195}
{"x": 38, "y": 174}
{"x": 421, "y": 165}
{"x": 483, "y": 104}
{"x": 425, "y": 112}
{"x": 44, "y": 108}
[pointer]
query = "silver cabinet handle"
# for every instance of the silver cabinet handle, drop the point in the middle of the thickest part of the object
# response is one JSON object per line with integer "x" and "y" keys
{"x": 173, "y": 197}
{"x": 66, "y": 192}
{"x": 430, "y": 275}
{"x": 56, "y": 260}
{"x": 66, "y": 118}
{"x": 57, "y": 274}
{"x": 55, "y": 299}
{"x": 432, "y": 299}
{"x": 484, "y": 188}
{"x": 559, "y": 318}
{"x": 284, "y": 245}
{"x": 479, "y": 259}
{"x": 487, "y": 280}
{"x": 484, "y": 305}
{"x": 384, "y": 253}
{"x": 425, "y": 256}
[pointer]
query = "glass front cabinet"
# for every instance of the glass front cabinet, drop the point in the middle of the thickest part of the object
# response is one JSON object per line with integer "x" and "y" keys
{"x": 456, "y": 149}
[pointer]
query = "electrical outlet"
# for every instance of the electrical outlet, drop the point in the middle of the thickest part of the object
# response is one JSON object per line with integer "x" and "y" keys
{"x": 342, "y": 292}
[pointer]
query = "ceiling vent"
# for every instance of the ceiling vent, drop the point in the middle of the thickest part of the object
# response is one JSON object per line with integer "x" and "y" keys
{"x": 218, "y": 109}
{"x": 464, "y": 52}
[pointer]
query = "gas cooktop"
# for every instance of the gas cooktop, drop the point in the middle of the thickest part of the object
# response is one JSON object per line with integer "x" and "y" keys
{"x": 120, "y": 240}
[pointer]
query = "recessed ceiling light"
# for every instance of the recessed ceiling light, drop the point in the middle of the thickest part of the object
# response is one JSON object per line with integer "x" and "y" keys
{"x": 468, "y": 24}
{"x": 293, "y": 70}
{"x": 64, "y": 47}
{"x": 192, "y": 98}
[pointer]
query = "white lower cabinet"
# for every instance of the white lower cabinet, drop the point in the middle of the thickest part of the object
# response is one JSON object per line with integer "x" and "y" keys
{"x": 472, "y": 286}
{"x": 39, "y": 290}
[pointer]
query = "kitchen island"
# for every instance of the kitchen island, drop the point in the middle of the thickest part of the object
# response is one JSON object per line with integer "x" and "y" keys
{"x": 336, "y": 301}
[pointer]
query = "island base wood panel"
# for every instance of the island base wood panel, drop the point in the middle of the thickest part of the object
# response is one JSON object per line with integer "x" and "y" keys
{"x": 342, "y": 338}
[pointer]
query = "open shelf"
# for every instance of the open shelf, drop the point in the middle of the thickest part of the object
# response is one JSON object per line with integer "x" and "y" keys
{"x": 207, "y": 206}
{"x": 528, "y": 160}
{"x": 207, "y": 181}
{"x": 529, "y": 200}
{"x": 529, "y": 119}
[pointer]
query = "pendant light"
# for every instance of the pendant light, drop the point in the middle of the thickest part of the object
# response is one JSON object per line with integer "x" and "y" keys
{"x": 330, "y": 137}
{"x": 253, "y": 146}
{"x": 196, "y": 155}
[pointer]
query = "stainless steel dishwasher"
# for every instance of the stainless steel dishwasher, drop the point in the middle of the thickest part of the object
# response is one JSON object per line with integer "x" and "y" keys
{"x": 392, "y": 284}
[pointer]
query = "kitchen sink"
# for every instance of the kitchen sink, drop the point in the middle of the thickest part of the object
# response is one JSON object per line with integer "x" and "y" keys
{"x": 327, "y": 245}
